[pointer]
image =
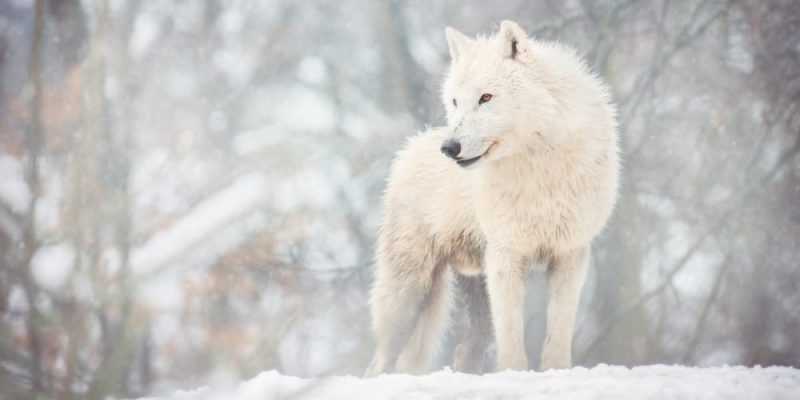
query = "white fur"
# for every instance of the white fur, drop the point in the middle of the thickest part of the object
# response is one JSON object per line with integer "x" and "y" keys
{"x": 544, "y": 187}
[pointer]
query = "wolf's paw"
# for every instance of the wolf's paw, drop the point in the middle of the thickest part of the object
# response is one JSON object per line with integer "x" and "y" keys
{"x": 550, "y": 361}
{"x": 469, "y": 358}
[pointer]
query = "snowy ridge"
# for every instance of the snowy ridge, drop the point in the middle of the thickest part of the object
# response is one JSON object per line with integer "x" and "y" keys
{"x": 600, "y": 382}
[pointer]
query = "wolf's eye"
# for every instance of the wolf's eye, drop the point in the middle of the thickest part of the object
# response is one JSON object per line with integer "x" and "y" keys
{"x": 455, "y": 103}
{"x": 486, "y": 97}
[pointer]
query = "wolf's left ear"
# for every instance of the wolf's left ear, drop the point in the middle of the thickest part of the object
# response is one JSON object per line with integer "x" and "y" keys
{"x": 514, "y": 40}
{"x": 457, "y": 42}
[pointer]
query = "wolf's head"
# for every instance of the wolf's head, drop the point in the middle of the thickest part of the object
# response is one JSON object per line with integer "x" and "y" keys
{"x": 493, "y": 95}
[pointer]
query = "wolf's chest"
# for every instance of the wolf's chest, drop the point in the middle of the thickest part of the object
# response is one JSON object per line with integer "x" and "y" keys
{"x": 544, "y": 217}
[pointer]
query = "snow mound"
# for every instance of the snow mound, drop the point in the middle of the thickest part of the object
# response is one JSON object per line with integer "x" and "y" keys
{"x": 601, "y": 382}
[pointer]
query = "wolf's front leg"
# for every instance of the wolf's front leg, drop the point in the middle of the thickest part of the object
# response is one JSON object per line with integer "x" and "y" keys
{"x": 565, "y": 277}
{"x": 506, "y": 279}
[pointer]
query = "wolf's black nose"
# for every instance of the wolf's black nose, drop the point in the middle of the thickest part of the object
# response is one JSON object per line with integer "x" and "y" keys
{"x": 451, "y": 148}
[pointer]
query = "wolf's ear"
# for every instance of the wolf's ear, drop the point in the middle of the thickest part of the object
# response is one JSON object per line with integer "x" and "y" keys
{"x": 514, "y": 40}
{"x": 457, "y": 42}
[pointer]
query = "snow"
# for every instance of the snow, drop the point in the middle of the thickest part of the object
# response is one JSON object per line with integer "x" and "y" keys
{"x": 312, "y": 71}
{"x": 601, "y": 382}
{"x": 237, "y": 64}
{"x": 14, "y": 190}
{"x": 52, "y": 265}
{"x": 258, "y": 139}
{"x": 237, "y": 200}
{"x": 145, "y": 32}
{"x": 231, "y": 21}
{"x": 302, "y": 109}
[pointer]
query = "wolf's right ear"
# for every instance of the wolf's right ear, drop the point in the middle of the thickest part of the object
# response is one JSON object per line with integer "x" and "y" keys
{"x": 457, "y": 42}
{"x": 514, "y": 40}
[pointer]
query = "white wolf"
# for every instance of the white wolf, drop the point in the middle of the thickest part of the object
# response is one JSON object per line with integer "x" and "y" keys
{"x": 529, "y": 179}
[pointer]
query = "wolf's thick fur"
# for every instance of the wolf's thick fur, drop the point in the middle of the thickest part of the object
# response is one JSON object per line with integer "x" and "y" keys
{"x": 542, "y": 186}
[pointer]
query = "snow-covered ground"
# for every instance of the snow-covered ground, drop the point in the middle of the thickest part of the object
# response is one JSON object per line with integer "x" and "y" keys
{"x": 601, "y": 382}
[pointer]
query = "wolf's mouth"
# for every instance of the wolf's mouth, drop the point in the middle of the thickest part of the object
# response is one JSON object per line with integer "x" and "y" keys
{"x": 468, "y": 162}
{"x": 473, "y": 160}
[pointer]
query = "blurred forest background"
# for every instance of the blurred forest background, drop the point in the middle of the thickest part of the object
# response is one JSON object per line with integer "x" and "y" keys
{"x": 189, "y": 190}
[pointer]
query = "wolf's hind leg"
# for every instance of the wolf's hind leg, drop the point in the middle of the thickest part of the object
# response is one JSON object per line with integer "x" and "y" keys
{"x": 396, "y": 302}
{"x": 431, "y": 323}
{"x": 565, "y": 277}
{"x": 470, "y": 354}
